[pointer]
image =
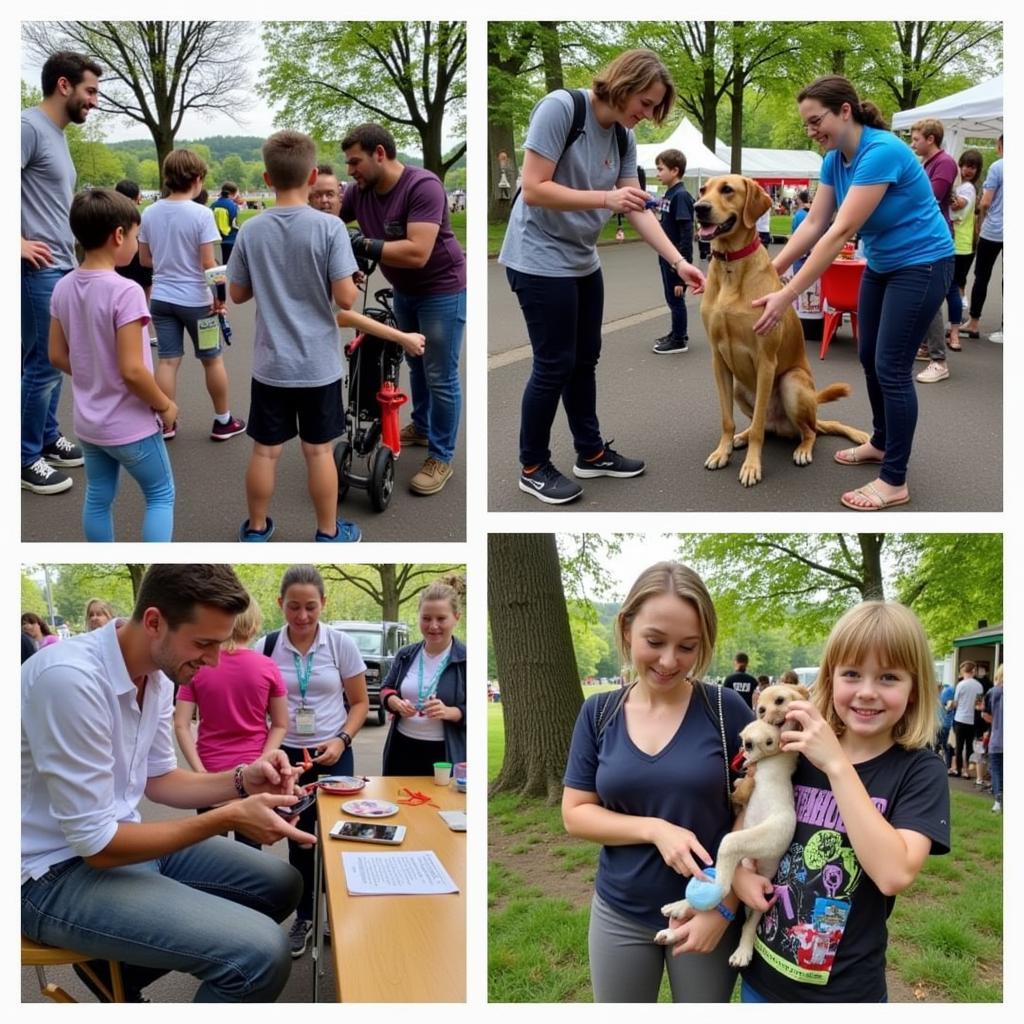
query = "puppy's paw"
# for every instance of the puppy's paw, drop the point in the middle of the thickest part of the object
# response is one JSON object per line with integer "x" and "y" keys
{"x": 803, "y": 456}
{"x": 718, "y": 459}
{"x": 676, "y": 909}
{"x": 666, "y": 937}
{"x": 741, "y": 957}
{"x": 750, "y": 472}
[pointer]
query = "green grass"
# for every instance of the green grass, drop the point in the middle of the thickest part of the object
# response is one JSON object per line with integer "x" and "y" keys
{"x": 945, "y": 933}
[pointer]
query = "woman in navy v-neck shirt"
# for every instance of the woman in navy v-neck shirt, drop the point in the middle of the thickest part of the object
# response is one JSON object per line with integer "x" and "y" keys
{"x": 647, "y": 780}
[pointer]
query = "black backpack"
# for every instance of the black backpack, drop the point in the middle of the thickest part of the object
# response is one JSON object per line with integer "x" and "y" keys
{"x": 576, "y": 129}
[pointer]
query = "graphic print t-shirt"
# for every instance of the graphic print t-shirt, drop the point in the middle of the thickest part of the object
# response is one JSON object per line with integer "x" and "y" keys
{"x": 824, "y": 938}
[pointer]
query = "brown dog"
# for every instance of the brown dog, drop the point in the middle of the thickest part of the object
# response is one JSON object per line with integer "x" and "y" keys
{"x": 768, "y": 374}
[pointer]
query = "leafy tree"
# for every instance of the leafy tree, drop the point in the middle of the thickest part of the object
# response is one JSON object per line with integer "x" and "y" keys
{"x": 391, "y": 585}
{"x": 95, "y": 162}
{"x": 408, "y": 76}
{"x": 32, "y": 597}
{"x": 231, "y": 168}
{"x": 148, "y": 175}
{"x": 540, "y": 684}
{"x": 589, "y": 638}
{"x": 156, "y": 71}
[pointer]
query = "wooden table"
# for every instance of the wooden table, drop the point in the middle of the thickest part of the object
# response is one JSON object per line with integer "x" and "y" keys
{"x": 394, "y": 948}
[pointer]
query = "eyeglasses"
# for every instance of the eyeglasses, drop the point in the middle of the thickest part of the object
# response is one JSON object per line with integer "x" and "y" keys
{"x": 812, "y": 123}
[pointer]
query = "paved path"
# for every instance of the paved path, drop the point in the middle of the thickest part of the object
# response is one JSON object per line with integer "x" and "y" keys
{"x": 210, "y": 476}
{"x": 665, "y": 410}
{"x": 368, "y": 748}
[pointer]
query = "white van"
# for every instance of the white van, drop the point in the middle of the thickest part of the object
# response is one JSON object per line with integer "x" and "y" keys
{"x": 807, "y": 676}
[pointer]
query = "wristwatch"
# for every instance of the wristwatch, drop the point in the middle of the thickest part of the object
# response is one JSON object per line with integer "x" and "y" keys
{"x": 345, "y": 736}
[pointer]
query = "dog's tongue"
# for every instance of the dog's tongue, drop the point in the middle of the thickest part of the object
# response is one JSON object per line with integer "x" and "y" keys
{"x": 707, "y": 231}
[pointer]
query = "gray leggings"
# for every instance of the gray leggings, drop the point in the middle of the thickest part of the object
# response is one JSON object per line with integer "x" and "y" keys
{"x": 626, "y": 965}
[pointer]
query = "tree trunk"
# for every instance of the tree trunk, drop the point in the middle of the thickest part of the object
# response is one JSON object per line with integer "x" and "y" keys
{"x": 871, "y": 545}
{"x": 710, "y": 90}
{"x": 540, "y": 686}
{"x": 551, "y": 51}
{"x": 136, "y": 571}
{"x": 389, "y": 596}
{"x": 501, "y": 139}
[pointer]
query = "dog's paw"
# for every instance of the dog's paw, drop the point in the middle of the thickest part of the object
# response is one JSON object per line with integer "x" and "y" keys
{"x": 750, "y": 473}
{"x": 740, "y": 958}
{"x": 666, "y": 937}
{"x": 803, "y": 456}
{"x": 676, "y": 909}
{"x": 740, "y": 440}
{"x": 718, "y": 459}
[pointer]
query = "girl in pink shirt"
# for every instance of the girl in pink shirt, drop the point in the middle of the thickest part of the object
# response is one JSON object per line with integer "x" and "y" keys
{"x": 234, "y": 699}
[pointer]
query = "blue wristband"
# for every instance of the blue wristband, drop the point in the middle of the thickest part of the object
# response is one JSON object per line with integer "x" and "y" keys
{"x": 728, "y": 914}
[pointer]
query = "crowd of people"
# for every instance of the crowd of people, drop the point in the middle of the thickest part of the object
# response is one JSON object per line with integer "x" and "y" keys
{"x": 90, "y": 320}
{"x": 274, "y": 712}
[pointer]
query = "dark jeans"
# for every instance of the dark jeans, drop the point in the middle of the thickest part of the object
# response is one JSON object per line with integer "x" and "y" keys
{"x": 407, "y": 756}
{"x": 964, "y": 745}
{"x": 987, "y": 253}
{"x": 894, "y": 311}
{"x": 563, "y": 318}
{"x": 676, "y": 303}
{"x": 301, "y": 857}
{"x": 995, "y": 764}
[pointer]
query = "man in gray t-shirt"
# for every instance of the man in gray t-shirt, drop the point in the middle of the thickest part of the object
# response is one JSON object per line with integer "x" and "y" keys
{"x": 70, "y": 84}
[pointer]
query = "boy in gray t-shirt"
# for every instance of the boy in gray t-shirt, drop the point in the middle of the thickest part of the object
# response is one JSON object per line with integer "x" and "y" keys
{"x": 295, "y": 260}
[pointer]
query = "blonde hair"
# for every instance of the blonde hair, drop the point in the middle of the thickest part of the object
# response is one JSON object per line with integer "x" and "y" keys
{"x": 448, "y": 588}
{"x": 247, "y": 625}
{"x": 670, "y": 578}
{"x": 895, "y": 635}
{"x": 998, "y": 677}
{"x": 105, "y": 606}
{"x": 631, "y": 73}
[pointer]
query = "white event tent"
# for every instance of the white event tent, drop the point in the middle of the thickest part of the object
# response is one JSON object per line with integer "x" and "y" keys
{"x": 975, "y": 113}
{"x": 775, "y": 166}
{"x": 701, "y": 163}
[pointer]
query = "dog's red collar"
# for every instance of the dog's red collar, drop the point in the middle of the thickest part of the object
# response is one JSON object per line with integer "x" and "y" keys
{"x": 739, "y": 254}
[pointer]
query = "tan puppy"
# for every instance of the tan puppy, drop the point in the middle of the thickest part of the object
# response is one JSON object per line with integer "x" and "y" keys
{"x": 768, "y": 375}
{"x": 773, "y": 702}
{"x": 768, "y": 826}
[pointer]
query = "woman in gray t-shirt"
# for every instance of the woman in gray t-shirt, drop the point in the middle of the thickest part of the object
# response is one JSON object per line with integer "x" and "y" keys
{"x": 573, "y": 180}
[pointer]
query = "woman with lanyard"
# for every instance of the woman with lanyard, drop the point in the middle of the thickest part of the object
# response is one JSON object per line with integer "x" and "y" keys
{"x": 579, "y": 167}
{"x": 426, "y": 691}
{"x": 323, "y": 670}
{"x": 873, "y": 184}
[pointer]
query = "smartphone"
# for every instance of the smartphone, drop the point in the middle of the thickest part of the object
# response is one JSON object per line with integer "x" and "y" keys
{"x": 363, "y": 832}
{"x": 297, "y": 808}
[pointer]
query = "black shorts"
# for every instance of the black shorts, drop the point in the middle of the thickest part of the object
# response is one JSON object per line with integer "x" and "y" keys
{"x": 277, "y": 414}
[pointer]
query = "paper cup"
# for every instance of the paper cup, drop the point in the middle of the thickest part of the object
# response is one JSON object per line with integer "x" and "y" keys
{"x": 442, "y": 773}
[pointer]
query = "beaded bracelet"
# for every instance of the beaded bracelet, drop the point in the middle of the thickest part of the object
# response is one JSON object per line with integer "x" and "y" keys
{"x": 239, "y": 785}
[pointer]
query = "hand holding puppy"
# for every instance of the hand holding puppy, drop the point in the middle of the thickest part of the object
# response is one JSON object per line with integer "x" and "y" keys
{"x": 807, "y": 733}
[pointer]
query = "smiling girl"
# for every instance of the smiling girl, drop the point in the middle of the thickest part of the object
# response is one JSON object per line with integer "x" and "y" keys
{"x": 646, "y": 779}
{"x": 872, "y": 803}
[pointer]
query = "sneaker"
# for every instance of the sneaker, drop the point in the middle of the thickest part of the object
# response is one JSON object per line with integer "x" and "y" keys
{"x": 933, "y": 372}
{"x": 222, "y": 431}
{"x": 549, "y": 486}
{"x": 299, "y": 936}
{"x": 169, "y": 434}
{"x": 64, "y": 453}
{"x": 101, "y": 968}
{"x": 42, "y": 478}
{"x": 997, "y": 807}
{"x": 610, "y": 463}
{"x": 923, "y": 354}
{"x": 248, "y": 536}
{"x": 346, "y": 533}
{"x": 668, "y": 345}
{"x": 996, "y": 337}
{"x": 410, "y": 435}
{"x": 433, "y": 475}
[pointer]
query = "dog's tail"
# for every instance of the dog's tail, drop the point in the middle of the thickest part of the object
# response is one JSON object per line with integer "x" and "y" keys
{"x": 832, "y": 392}
{"x": 842, "y": 430}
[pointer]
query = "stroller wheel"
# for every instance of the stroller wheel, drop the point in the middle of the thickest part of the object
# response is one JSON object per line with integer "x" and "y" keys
{"x": 382, "y": 478}
{"x": 343, "y": 460}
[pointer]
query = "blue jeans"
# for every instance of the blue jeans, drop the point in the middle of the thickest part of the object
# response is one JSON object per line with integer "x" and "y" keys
{"x": 676, "y": 304}
{"x": 894, "y": 311}
{"x": 434, "y": 376}
{"x": 40, "y": 381}
{"x": 563, "y": 319}
{"x": 147, "y": 463}
{"x": 995, "y": 767}
{"x": 208, "y": 910}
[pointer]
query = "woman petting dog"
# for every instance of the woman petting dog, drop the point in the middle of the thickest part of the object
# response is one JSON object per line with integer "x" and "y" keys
{"x": 872, "y": 802}
{"x": 579, "y": 167}
{"x": 873, "y": 184}
{"x": 647, "y": 779}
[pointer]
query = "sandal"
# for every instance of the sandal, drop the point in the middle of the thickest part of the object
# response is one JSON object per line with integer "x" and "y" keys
{"x": 954, "y": 348}
{"x": 876, "y": 500}
{"x": 849, "y": 457}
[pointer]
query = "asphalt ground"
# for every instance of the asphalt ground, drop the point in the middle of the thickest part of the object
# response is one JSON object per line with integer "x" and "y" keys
{"x": 209, "y": 476}
{"x": 664, "y": 409}
{"x": 368, "y": 747}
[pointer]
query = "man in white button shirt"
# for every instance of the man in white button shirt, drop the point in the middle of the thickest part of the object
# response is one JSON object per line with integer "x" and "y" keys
{"x": 95, "y": 737}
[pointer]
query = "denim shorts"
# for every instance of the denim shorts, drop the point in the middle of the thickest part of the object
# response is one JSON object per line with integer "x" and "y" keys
{"x": 172, "y": 321}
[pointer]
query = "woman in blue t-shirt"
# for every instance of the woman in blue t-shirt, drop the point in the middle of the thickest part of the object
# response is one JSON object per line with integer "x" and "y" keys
{"x": 872, "y": 183}
{"x": 647, "y": 779}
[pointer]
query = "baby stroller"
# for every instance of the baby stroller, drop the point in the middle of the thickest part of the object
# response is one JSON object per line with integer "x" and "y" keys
{"x": 366, "y": 455}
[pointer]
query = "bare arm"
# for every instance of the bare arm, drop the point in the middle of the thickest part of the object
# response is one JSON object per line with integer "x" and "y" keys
{"x": 239, "y": 293}
{"x": 650, "y": 230}
{"x": 278, "y": 724}
{"x": 344, "y": 292}
{"x": 412, "y": 343}
{"x": 183, "y": 710}
{"x": 145, "y": 254}
{"x": 414, "y": 250}
{"x": 540, "y": 190}
{"x": 57, "y": 348}
{"x": 138, "y": 378}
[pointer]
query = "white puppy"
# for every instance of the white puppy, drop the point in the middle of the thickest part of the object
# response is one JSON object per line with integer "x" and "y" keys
{"x": 768, "y": 827}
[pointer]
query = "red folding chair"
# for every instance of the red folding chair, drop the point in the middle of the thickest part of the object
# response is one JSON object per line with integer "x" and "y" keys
{"x": 840, "y": 287}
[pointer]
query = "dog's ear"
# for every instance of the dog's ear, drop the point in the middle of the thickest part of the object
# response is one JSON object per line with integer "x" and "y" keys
{"x": 756, "y": 203}
{"x": 805, "y": 694}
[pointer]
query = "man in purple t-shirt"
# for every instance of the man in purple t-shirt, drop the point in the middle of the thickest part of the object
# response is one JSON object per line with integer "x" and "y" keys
{"x": 402, "y": 214}
{"x": 926, "y": 141}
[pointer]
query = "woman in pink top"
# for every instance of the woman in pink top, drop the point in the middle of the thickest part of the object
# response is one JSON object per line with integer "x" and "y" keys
{"x": 234, "y": 699}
